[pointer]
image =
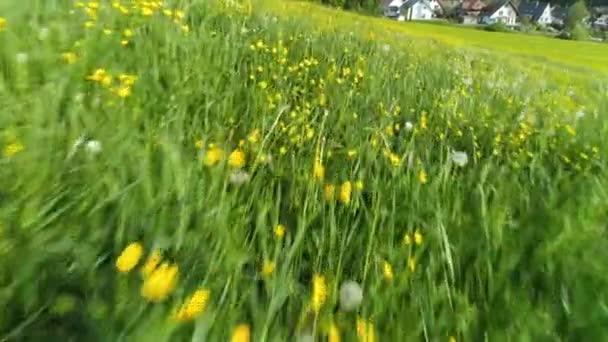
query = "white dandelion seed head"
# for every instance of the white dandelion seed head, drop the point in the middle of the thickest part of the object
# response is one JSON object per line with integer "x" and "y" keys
{"x": 351, "y": 296}
{"x": 580, "y": 114}
{"x": 408, "y": 126}
{"x": 22, "y": 58}
{"x": 239, "y": 177}
{"x": 459, "y": 158}
{"x": 93, "y": 147}
{"x": 468, "y": 81}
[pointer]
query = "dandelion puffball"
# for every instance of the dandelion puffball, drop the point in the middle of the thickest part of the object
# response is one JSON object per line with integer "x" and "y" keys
{"x": 459, "y": 158}
{"x": 351, "y": 296}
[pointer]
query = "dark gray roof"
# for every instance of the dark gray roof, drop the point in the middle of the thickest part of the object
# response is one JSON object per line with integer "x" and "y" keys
{"x": 496, "y": 5}
{"x": 559, "y": 12}
{"x": 533, "y": 9}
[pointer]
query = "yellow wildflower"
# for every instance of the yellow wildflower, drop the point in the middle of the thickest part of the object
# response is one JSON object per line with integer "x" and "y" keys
{"x": 451, "y": 339}
{"x": 407, "y": 239}
{"x": 168, "y": 12}
{"x": 351, "y": 154}
{"x": 127, "y": 80}
{"x": 13, "y": 149}
{"x": 237, "y": 159}
{"x": 147, "y": 11}
{"x": 69, "y": 57}
{"x": 123, "y": 92}
{"x": 423, "y": 121}
{"x": 153, "y": 260}
{"x": 213, "y": 156}
{"x": 394, "y": 159}
{"x": 319, "y": 292}
{"x": 160, "y": 283}
{"x": 359, "y": 185}
{"x": 334, "y": 333}
{"x": 387, "y": 269}
{"x": 193, "y": 306}
{"x": 268, "y": 268}
{"x": 279, "y": 231}
{"x": 241, "y": 333}
{"x": 422, "y": 176}
{"x": 2, "y": 24}
{"x": 98, "y": 75}
{"x": 128, "y": 33}
{"x": 328, "y": 191}
{"x": 345, "y": 192}
{"x": 124, "y": 42}
{"x": 129, "y": 257}
{"x": 411, "y": 264}
{"x": 418, "y": 237}
{"x": 365, "y": 331}
{"x": 179, "y": 14}
{"x": 570, "y": 130}
{"x": 254, "y": 136}
{"x": 107, "y": 32}
{"x": 89, "y": 24}
{"x": 318, "y": 171}
{"x": 199, "y": 144}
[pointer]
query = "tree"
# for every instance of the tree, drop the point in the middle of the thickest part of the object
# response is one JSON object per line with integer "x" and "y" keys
{"x": 576, "y": 13}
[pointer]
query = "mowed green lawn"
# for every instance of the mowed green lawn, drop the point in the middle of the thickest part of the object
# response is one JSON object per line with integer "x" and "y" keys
{"x": 571, "y": 54}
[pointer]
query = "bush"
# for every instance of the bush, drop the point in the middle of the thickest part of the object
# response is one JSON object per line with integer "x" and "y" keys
{"x": 579, "y": 32}
{"x": 497, "y": 27}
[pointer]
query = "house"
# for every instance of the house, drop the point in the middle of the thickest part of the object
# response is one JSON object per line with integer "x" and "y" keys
{"x": 468, "y": 11}
{"x": 559, "y": 15}
{"x": 412, "y": 9}
{"x": 601, "y": 23}
{"x": 501, "y": 11}
{"x": 537, "y": 12}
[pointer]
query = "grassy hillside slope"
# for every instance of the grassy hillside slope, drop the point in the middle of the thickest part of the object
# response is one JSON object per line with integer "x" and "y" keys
{"x": 564, "y": 53}
{"x": 196, "y": 170}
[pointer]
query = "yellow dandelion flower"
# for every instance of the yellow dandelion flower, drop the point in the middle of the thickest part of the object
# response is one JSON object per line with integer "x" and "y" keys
{"x": 69, "y": 57}
{"x": 106, "y": 81}
{"x": 268, "y": 268}
{"x": 394, "y": 159}
{"x": 451, "y": 339}
{"x": 283, "y": 150}
{"x": 351, "y": 154}
{"x": 365, "y": 331}
{"x": 98, "y": 75}
{"x": 423, "y": 121}
{"x": 411, "y": 264}
{"x": 3, "y": 23}
{"x": 213, "y": 156}
{"x": 254, "y": 136}
{"x": 129, "y": 257}
{"x": 13, "y": 149}
{"x": 318, "y": 171}
{"x": 387, "y": 269}
{"x": 418, "y": 237}
{"x": 126, "y": 79}
{"x": 128, "y": 33}
{"x": 319, "y": 292}
{"x": 279, "y": 231}
{"x": 107, "y": 32}
{"x": 153, "y": 261}
{"x": 241, "y": 333}
{"x": 345, "y": 192}
{"x": 160, "y": 283}
{"x": 124, "y": 42}
{"x": 422, "y": 177}
{"x": 123, "y": 92}
{"x": 147, "y": 11}
{"x": 236, "y": 159}
{"x": 193, "y": 306}
{"x": 179, "y": 14}
{"x": 89, "y": 24}
{"x": 570, "y": 130}
{"x": 168, "y": 12}
{"x": 333, "y": 334}
{"x": 407, "y": 239}
{"x": 359, "y": 185}
{"x": 329, "y": 191}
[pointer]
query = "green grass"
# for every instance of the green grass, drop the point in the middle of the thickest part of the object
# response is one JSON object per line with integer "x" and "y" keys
{"x": 510, "y": 246}
{"x": 564, "y": 53}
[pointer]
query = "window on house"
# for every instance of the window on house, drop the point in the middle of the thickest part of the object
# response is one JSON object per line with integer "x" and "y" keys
{"x": 500, "y": 12}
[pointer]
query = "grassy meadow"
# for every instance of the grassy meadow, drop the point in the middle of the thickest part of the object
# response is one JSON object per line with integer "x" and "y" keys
{"x": 215, "y": 170}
